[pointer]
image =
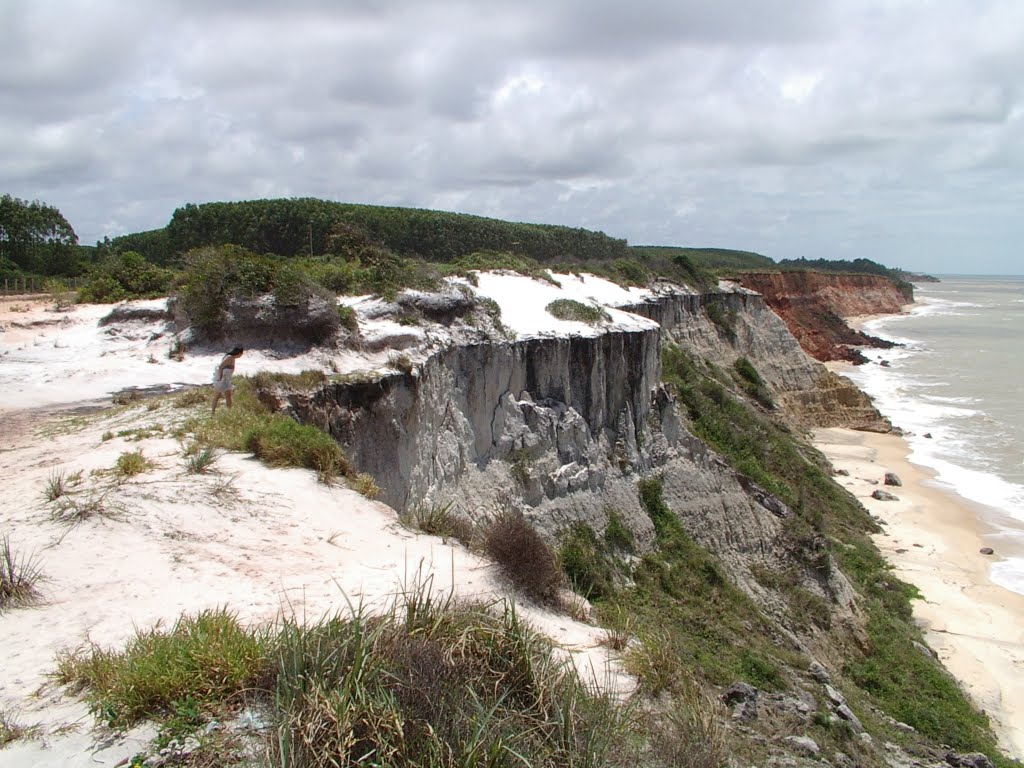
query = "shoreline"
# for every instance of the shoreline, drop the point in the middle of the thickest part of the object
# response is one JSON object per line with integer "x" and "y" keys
{"x": 932, "y": 537}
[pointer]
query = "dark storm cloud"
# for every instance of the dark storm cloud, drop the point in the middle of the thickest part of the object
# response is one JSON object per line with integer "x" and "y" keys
{"x": 792, "y": 127}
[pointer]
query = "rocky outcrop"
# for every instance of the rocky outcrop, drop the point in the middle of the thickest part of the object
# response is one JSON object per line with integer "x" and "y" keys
{"x": 808, "y": 394}
{"x": 263, "y": 321}
{"x": 814, "y": 306}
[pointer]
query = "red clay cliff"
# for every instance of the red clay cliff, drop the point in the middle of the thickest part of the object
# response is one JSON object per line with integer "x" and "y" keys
{"x": 815, "y": 305}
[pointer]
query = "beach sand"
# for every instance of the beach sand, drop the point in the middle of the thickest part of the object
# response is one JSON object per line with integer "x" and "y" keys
{"x": 932, "y": 537}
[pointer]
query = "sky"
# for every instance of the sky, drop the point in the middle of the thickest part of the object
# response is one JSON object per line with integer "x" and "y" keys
{"x": 883, "y": 129}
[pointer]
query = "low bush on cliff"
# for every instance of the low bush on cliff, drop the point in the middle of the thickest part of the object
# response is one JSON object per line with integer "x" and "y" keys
{"x": 752, "y": 383}
{"x": 569, "y": 309}
{"x": 524, "y": 557}
{"x": 280, "y": 441}
{"x": 276, "y": 439}
{"x": 685, "y": 606}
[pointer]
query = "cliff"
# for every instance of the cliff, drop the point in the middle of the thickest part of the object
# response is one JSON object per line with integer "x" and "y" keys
{"x": 668, "y": 424}
{"x": 814, "y": 306}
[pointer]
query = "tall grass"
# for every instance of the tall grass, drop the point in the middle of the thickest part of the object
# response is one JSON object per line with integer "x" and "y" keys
{"x": 207, "y": 657}
{"x": 427, "y": 682}
{"x": 19, "y": 577}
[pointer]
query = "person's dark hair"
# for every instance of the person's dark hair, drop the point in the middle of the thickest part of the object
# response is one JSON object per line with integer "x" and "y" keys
{"x": 236, "y": 350}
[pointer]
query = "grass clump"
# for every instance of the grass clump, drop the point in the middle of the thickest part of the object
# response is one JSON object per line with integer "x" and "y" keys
{"x": 441, "y": 520}
{"x": 207, "y": 657}
{"x": 524, "y": 557}
{"x": 201, "y": 461}
{"x": 59, "y": 484}
{"x": 364, "y": 484}
{"x": 752, "y": 383}
{"x": 570, "y": 309}
{"x": 274, "y": 438}
{"x": 131, "y": 463}
{"x": 435, "y": 683}
{"x": 11, "y": 730}
{"x": 19, "y": 577}
{"x": 428, "y": 681}
{"x": 281, "y": 441}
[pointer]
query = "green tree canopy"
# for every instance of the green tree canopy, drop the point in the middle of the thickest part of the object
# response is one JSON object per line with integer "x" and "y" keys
{"x": 37, "y": 238}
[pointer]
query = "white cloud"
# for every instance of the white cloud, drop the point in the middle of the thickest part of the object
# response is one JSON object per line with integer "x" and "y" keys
{"x": 886, "y": 129}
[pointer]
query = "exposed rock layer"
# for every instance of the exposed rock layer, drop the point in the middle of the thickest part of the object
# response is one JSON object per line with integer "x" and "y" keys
{"x": 814, "y": 304}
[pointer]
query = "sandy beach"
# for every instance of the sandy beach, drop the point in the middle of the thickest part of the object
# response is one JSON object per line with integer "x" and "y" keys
{"x": 932, "y": 537}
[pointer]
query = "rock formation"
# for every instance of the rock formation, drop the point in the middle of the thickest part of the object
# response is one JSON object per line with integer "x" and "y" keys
{"x": 814, "y": 306}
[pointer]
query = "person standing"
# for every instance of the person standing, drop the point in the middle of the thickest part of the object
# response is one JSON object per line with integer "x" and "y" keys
{"x": 222, "y": 377}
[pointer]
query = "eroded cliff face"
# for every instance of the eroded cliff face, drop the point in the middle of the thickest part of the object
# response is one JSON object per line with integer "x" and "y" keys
{"x": 813, "y": 306}
{"x": 808, "y": 395}
{"x": 562, "y": 428}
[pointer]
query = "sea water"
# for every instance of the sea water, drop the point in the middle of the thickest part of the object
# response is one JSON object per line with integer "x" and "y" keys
{"x": 956, "y": 387}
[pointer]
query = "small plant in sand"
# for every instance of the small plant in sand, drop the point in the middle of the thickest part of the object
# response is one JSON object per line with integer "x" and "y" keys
{"x": 570, "y": 309}
{"x": 19, "y": 577}
{"x": 201, "y": 461}
{"x": 59, "y": 484}
{"x": 365, "y": 484}
{"x": 11, "y": 730}
{"x": 131, "y": 463}
{"x": 74, "y": 509}
{"x": 441, "y": 520}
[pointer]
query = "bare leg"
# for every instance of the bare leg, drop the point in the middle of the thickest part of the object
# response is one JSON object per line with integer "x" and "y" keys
{"x": 216, "y": 399}
{"x": 227, "y": 398}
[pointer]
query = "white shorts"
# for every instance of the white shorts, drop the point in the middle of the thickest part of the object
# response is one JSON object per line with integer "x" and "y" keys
{"x": 223, "y": 384}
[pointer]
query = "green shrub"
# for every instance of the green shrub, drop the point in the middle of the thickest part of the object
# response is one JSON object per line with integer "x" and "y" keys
{"x": 617, "y": 535}
{"x": 131, "y": 463}
{"x": 125, "y": 276}
{"x": 752, "y": 382}
{"x": 585, "y": 563}
{"x": 348, "y": 318}
{"x": 723, "y": 317}
{"x": 569, "y": 309}
{"x": 282, "y": 442}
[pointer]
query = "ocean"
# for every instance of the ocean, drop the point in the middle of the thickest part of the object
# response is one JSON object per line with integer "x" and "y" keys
{"x": 959, "y": 377}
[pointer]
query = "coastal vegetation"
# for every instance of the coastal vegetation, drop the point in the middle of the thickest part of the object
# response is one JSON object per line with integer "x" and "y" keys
{"x": 428, "y": 681}
{"x": 20, "y": 575}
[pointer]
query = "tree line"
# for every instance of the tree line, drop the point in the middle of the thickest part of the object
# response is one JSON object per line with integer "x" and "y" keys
{"x": 36, "y": 239}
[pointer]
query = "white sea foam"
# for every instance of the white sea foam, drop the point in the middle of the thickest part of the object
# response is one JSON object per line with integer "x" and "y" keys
{"x": 955, "y": 377}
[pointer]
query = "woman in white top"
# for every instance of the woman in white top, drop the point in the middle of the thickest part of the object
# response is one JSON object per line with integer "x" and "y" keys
{"x": 222, "y": 377}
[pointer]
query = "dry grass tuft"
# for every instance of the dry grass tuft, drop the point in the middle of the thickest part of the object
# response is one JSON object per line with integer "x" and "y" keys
{"x": 19, "y": 576}
{"x": 524, "y": 557}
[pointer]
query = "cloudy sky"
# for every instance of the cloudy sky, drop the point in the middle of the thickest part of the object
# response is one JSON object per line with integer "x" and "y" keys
{"x": 886, "y": 129}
